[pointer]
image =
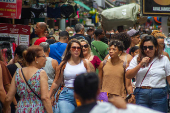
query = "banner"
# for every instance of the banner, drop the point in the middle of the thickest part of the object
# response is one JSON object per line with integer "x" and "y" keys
{"x": 156, "y": 7}
{"x": 10, "y": 8}
{"x": 21, "y": 33}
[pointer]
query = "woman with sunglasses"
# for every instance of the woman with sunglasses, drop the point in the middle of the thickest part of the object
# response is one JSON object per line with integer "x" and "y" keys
{"x": 72, "y": 65}
{"x": 112, "y": 72}
{"x": 88, "y": 54}
{"x": 151, "y": 69}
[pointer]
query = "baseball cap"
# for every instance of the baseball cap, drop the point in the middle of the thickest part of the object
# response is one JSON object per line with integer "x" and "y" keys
{"x": 132, "y": 32}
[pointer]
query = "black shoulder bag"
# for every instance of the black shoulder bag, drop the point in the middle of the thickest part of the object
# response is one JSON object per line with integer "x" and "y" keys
{"x": 29, "y": 85}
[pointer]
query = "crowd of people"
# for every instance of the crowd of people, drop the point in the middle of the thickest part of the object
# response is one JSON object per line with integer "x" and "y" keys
{"x": 68, "y": 75}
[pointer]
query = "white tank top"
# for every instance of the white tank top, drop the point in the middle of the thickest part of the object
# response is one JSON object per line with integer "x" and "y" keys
{"x": 70, "y": 73}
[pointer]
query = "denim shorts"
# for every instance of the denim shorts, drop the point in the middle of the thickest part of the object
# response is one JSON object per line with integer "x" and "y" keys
{"x": 66, "y": 101}
{"x": 155, "y": 98}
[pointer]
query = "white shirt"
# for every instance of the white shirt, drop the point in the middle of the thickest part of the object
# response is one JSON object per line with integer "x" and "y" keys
{"x": 70, "y": 73}
{"x": 156, "y": 77}
{"x": 105, "y": 107}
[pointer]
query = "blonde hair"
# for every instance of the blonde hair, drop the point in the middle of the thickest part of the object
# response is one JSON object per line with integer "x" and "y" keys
{"x": 157, "y": 33}
{"x": 83, "y": 40}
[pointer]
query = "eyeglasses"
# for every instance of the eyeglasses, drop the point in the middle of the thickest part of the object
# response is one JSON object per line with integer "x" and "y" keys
{"x": 149, "y": 47}
{"x": 74, "y": 48}
{"x": 86, "y": 46}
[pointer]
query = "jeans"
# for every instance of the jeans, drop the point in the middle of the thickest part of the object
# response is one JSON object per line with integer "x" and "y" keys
{"x": 66, "y": 101}
{"x": 155, "y": 98}
{"x": 55, "y": 107}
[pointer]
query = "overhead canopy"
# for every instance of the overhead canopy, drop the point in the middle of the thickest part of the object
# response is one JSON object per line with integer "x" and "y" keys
{"x": 83, "y": 5}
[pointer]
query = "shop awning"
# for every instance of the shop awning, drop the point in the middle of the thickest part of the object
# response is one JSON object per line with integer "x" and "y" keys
{"x": 83, "y": 5}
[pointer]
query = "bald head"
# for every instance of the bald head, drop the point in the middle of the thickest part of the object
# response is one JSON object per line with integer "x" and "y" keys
{"x": 40, "y": 28}
{"x": 43, "y": 25}
{"x": 68, "y": 29}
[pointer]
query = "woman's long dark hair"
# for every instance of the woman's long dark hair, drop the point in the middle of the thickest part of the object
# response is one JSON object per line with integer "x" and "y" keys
{"x": 155, "y": 43}
{"x": 67, "y": 54}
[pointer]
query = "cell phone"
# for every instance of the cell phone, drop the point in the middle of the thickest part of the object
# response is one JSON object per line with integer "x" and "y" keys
{"x": 128, "y": 97}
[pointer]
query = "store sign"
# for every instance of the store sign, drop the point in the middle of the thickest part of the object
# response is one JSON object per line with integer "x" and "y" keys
{"x": 21, "y": 33}
{"x": 156, "y": 7}
{"x": 10, "y": 8}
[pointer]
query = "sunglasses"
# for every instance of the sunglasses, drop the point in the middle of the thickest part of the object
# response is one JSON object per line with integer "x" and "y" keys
{"x": 86, "y": 46}
{"x": 74, "y": 48}
{"x": 149, "y": 47}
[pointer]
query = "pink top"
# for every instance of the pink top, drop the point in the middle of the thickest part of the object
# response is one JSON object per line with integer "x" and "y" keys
{"x": 96, "y": 61}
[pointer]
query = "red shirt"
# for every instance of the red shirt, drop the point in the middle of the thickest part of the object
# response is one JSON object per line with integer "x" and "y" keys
{"x": 38, "y": 41}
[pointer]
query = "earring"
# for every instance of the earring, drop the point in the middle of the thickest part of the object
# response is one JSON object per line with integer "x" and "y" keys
{"x": 118, "y": 55}
{"x": 37, "y": 62}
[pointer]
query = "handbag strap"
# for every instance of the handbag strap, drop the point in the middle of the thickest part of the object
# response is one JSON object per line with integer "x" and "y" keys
{"x": 124, "y": 66}
{"x": 97, "y": 51}
{"x": 147, "y": 73}
{"x": 29, "y": 85}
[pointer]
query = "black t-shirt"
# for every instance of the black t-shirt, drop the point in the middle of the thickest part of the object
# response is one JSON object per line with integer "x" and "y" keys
{"x": 12, "y": 68}
{"x": 83, "y": 37}
{"x": 85, "y": 108}
{"x": 105, "y": 40}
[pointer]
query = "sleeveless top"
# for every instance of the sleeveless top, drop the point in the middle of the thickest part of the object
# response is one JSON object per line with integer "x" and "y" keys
{"x": 29, "y": 102}
{"x": 96, "y": 62}
{"x": 125, "y": 62}
{"x": 50, "y": 71}
{"x": 113, "y": 78}
{"x": 71, "y": 71}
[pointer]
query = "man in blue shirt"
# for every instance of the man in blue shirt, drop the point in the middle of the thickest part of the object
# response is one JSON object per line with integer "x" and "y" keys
{"x": 57, "y": 49}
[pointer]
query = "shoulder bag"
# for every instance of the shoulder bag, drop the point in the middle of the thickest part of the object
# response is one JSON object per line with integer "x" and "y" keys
{"x": 129, "y": 96}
